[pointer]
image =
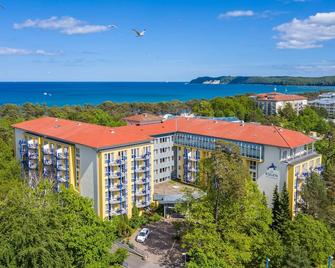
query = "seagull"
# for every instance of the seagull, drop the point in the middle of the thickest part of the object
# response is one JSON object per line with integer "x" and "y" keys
{"x": 139, "y": 34}
{"x": 112, "y": 26}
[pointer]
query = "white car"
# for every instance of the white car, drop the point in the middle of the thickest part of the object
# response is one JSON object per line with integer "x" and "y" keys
{"x": 143, "y": 235}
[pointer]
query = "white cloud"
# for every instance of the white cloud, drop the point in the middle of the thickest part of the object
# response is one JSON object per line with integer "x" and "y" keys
{"x": 236, "y": 13}
{"x": 249, "y": 13}
{"x": 307, "y": 33}
{"x": 8, "y": 51}
{"x": 65, "y": 25}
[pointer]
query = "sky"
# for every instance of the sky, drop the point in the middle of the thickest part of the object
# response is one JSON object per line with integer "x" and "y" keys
{"x": 85, "y": 40}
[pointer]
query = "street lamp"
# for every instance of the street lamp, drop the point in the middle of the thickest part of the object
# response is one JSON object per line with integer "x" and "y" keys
{"x": 330, "y": 260}
{"x": 267, "y": 263}
{"x": 184, "y": 257}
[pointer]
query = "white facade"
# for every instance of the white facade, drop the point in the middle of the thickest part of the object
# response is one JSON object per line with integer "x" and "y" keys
{"x": 326, "y": 101}
{"x": 273, "y": 107}
{"x": 163, "y": 158}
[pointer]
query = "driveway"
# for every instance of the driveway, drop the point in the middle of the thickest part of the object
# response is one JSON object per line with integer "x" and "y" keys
{"x": 162, "y": 249}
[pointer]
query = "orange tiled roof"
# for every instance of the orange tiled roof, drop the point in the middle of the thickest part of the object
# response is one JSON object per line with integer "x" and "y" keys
{"x": 276, "y": 96}
{"x": 103, "y": 137}
{"x": 143, "y": 117}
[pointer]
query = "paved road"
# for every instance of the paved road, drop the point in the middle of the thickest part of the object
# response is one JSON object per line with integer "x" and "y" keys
{"x": 163, "y": 250}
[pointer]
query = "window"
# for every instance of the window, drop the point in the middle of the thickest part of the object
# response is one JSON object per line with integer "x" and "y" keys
{"x": 252, "y": 165}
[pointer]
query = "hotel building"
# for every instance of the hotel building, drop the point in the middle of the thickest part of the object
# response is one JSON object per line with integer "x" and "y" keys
{"x": 272, "y": 103}
{"x": 118, "y": 167}
{"x": 326, "y": 101}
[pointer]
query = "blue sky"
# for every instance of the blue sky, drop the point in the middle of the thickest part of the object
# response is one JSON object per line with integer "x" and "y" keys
{"x": 68, "y": 40}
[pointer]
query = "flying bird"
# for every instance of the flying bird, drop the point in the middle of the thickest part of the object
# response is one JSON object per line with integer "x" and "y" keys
{"x": 138, "y": 33}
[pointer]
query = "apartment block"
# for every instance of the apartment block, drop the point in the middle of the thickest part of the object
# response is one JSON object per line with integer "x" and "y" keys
{"x": 118, "y": 167}
{"x": 272, "y": 103}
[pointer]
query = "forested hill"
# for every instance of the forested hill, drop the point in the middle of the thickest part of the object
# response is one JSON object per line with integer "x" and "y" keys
{"x": 269, "y": 80}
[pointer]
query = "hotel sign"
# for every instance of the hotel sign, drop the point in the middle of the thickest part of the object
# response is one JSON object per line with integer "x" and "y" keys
{"x": 272, "y": 172}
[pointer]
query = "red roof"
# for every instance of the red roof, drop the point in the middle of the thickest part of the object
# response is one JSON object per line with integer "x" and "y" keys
{"x": 102, "y": 137}
{"x": 276, "y": 96}
{"x": 143, "y": 117}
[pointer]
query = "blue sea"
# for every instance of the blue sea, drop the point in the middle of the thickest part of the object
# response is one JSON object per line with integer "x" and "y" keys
{"x": 71, "y": 93}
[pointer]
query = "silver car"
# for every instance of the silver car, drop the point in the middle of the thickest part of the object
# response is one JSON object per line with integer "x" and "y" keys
{"x": 143, "y": 235}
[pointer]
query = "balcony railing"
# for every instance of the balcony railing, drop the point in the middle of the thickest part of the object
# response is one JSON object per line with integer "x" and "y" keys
{"x": 61, "y": 179}
{"x": 32, "y": 165}
{"x": 47, "y": 162}
{"x": 142, "y": 204}
{"x": 142, "y": 193}
{"x": 32, "y": 155}
{"x": 142, "y": 181}
{"x": 113, "y": 175}
{"x": 32, "y": 144}
{"x": 117, "y": 200}
{"x": 118, "y": 212}
{"x": 47, "y": 151}
{"x": 61, "y": 167}
{"x": 118, "y": 187}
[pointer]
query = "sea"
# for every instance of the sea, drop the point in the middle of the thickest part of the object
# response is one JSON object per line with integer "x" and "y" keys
{"x": 80, "y": 93}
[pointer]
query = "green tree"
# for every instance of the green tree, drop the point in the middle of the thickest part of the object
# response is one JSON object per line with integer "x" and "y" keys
{"x": 314, "y": 196}
{"x": 310, "y": 237}
{"x": 288, "y": 112}
{"x": 41, "y": 228}
{"x": 285, "y": 203}
{"x": 230, "y": 225}
{"x": 203, "y": 108}
{"x": 276, "y": 208}
{"x": 280, "y": 209}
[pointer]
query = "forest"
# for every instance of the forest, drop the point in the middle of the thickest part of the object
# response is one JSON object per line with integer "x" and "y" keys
{"x": 269, "y": 80}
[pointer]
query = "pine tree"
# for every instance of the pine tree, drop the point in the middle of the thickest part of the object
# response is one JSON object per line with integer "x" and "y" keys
{"x": 329, "y": 178}
{"x": 280, "y": 209}
{"x": 285, "y": 204}
{"x": 296, "y": 257}
{"x": 275, "y": 208}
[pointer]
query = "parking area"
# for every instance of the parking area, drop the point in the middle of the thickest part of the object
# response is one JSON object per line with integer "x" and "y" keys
{"x": 162, "y": 249}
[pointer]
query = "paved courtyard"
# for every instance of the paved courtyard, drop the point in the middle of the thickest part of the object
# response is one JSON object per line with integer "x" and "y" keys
{"x": 162, "y": 249}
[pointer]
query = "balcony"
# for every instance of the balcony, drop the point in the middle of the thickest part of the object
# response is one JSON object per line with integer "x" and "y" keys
{"x": 62, "y": 154}
{"x": 138, "y": 170}
{"x": 61, "y": 167}
{"x": 142, "y": 181}
{"x": 142, "y": 193}
{"x": 193, "y": 158}
{"x": 113, "y": 175}
{"x": 146, "y": 168}
{"x": 47, "y": 162}
{"x": 61, "y": 178}
{"x": 192, "y": 169}
{"x": 117, "y": 200}
{"x": 121, "y": 160}
{"x": 32, "y": 165}
{"x": 47, "y": 150}
{"x": 118, "y": 212}
{"x": 32, "y": 155}
{"x": 142, "y": 204}
{"x": 32, "y": 144}
{"x": 118, "y": 187}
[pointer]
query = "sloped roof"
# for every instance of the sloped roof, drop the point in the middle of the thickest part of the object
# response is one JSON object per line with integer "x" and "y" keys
{"x": 102, "y": 137}
{"x": 276, "y": 96}
{"x": 144, "y": 117}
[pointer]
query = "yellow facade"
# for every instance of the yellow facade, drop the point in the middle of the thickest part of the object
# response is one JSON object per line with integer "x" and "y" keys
{"x": 296, "y": 176}
{"x": 127, "y": 196}
{"x": 194, "y": 165}
{"x": 46, "y": 158}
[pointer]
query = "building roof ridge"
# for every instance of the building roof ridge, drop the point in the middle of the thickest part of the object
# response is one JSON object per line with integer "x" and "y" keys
{"x": 278, "y": 129}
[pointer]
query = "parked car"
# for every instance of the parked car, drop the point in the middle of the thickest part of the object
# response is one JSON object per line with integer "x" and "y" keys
{"x": 143, "y": 235}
